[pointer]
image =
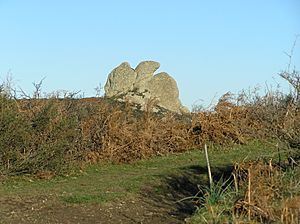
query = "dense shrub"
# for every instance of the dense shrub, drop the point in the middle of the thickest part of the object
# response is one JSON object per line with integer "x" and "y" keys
{"x": 44, "y": 137}
{"x": 14, "y": 136}
{"x": 39, "y": 135}
{"x": 240, "y": 118}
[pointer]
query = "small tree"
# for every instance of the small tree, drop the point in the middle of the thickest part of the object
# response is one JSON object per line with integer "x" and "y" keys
{"x": 292, "y": 77}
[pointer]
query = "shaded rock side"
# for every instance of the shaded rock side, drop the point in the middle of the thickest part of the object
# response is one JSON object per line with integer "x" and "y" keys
{"x": 120, "y": 80}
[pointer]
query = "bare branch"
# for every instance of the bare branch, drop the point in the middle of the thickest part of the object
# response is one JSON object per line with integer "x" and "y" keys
{"x": 38, "y": 88}
{"x": 23, "y": 94}
{"x": 98, "y": 90}
{"x": 292, "y": 77}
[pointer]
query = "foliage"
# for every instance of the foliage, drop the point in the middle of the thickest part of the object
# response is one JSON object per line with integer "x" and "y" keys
{"x": 53, "y": 134}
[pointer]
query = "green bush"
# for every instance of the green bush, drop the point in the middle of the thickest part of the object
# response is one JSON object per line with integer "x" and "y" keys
{"x": 14, "y": 136}
{"x": 47, "y": 139}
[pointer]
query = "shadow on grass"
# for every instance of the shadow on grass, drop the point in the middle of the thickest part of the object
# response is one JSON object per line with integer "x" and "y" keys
{"x": 172, "y": 189}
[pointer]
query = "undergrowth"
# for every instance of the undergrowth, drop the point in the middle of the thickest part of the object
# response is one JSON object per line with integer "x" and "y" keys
{"x": 257, "y": 192}
{"x": 56, "y": 134}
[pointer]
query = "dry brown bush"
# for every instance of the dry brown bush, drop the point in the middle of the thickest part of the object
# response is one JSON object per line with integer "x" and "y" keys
{"x": 267, "y": 192}
{"x": 261, "y": 183}
{"x": 222, "y": 125}
{"x": 240, "y": 118}
{"x": 55, "y": 133}
{"x": 121, "y": 134}
{"x": 291, "y": 211}
{"x": 67, "y": 131}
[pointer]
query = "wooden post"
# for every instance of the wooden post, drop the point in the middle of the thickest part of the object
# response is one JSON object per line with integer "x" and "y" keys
{"x": 208, "y": 166}
{"x": 249, "y": 192}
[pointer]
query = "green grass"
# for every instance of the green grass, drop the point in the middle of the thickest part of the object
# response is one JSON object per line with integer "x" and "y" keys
{"x": 217, "y": 201}
{"x": 104, "y": 183}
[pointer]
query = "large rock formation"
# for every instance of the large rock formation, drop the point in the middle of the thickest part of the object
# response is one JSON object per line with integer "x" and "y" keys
{"x": 140, "y": 86}
{"x": 120, "y": 80}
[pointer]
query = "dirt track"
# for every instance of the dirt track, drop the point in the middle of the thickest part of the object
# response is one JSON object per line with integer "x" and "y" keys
{"x": 45, "y": 209}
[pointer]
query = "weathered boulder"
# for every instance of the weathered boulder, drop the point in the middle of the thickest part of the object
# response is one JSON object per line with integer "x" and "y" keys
{"x": 145, "y": 71}
{"x": 163, "y": 87}
{"x": 140, "y": 86}
{"x": 120, "y": 80}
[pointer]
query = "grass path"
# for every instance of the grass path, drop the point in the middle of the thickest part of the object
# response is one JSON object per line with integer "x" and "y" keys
{"x": 142, "y": 192}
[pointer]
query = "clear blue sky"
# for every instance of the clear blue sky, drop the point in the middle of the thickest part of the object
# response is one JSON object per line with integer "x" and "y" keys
{"x": 209, "y": 47}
